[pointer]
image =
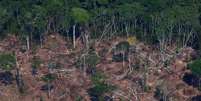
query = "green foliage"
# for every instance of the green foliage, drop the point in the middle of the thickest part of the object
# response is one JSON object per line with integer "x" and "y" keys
{"x": 80, "y": 15}
{"x": 98, "y": 78}
{"x": 120, "y": 52}
{"x": 100, "y": 87}
{"x": 195, "y": 67}
{"x": 122, "y": 46}
{"x": 130, "y": 10}
{"x": 7, "y": 61}
{"x": 91, "y": 60}
{"x": 103, "y": 2}
{"x": 149, "y": 20}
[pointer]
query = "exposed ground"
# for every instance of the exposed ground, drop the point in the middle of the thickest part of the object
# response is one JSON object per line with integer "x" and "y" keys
{"x": 127, "y": 77}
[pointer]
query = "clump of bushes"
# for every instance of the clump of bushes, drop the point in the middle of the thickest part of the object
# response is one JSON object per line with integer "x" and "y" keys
{"x": 120, "y": 52}
{"x": 7, "y": 62}
{"x": 90, "y": 60}
{"x": 100, "y": 87}
{"x": 195, "y": 67}
{"x": 122, "y": 46}
{"x": 194, "y": 78}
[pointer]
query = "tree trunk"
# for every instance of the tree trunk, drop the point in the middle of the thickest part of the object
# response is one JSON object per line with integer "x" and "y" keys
{"x": 28, "y": 44}
{"x": 74, "y": 36}
{"x": 41, "y": 41}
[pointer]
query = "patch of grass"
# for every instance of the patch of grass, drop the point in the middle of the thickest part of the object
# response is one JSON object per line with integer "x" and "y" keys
{"x": 7, "y": 61}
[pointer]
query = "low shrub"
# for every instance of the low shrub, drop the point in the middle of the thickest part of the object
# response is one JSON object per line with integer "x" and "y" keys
{"x": 7, "y": 62}
{"x": 195, "y": 67}
{"x": 122, "y": 46}
{"x": 90, "y": 60}
{"x": 99, "y": 88}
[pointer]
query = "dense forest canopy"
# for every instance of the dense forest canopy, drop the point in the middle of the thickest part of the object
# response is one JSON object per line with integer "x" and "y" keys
{"x": 157, "y": 20}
